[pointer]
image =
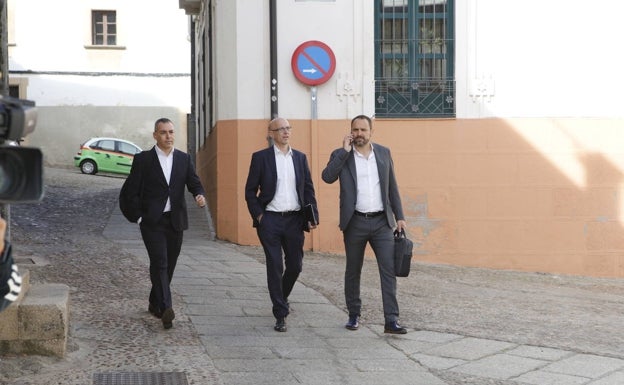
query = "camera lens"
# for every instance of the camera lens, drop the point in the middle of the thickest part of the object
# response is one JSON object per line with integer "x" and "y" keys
{"x": 12, "y": 174}
{"x": 21, "y": 174}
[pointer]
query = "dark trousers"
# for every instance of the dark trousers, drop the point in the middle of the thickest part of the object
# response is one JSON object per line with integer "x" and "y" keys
{"x": 281, "y": 233}
{"x": 376, "y": 232}
{"x": 163, "y": 245}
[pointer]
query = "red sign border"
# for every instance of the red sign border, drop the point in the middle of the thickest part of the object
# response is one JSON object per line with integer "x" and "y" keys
{"x": 328, "y": 74}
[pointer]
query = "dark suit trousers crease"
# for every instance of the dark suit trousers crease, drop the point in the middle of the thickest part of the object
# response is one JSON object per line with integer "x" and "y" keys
{"x": 163, "y": 245}
{"x": 376, "y": 232}
{"x": 277, "y": 234}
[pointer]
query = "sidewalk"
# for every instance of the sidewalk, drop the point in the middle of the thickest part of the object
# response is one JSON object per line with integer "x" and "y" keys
{"x": 222, "y": 293}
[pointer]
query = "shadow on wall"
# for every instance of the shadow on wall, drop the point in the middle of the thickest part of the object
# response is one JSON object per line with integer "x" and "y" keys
{"x": 514, "y": 194}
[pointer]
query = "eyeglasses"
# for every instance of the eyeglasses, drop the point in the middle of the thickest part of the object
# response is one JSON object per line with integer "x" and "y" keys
{"x": 281, "y": 129}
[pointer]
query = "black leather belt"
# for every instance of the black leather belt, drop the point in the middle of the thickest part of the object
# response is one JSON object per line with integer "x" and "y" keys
{"x": 369, "y": 215}
{"x": 285, "y": 213}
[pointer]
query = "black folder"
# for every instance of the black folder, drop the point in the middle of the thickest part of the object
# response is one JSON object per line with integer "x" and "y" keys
{"x": 310, "y": 215}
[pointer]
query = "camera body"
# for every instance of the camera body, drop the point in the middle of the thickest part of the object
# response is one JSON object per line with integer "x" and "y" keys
{"x": 21, "y": 168}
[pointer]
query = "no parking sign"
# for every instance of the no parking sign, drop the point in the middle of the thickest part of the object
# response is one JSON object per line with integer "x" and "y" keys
{"x": 313, "y": 63}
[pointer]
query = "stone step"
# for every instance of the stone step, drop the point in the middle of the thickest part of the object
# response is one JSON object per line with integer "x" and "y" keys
{"x": 38, "y": 324}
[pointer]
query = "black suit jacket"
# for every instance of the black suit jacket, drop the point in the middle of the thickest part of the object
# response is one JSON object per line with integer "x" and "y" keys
{"x": 262, "y": 182}
{"x": 145, "y": 191}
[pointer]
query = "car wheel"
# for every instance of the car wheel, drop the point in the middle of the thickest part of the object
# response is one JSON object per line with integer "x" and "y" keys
{"x": 88, "y": 167}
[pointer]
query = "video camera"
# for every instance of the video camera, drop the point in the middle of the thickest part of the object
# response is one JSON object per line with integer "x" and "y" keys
{"x": 21, "y": 168}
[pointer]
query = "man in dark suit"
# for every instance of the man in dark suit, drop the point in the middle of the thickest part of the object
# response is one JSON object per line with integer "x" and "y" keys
{"x": 279, "y": 186}
{"x": 153, "y": 196}
{"x": 369, "y": 204}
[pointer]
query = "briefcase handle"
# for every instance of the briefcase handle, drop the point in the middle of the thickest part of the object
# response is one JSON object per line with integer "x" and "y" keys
{"x": 400, "y": 234}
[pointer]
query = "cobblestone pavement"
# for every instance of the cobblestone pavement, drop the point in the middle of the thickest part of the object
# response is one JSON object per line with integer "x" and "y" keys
{"x": 578, "y": 318}
{"x": 110, "y": 328}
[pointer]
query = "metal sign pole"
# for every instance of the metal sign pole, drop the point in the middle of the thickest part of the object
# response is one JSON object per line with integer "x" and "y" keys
{"x": 314, "y": 103}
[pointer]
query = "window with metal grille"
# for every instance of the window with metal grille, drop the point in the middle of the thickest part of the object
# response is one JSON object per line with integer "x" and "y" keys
{"x": 414, "y": 58}
{"x": 104, "y": 25}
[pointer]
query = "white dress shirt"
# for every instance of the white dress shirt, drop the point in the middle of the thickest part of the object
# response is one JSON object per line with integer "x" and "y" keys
{"x": 285, "y": 198}
{"x": 166, "y": 163}
{"x": 368, "y": 187}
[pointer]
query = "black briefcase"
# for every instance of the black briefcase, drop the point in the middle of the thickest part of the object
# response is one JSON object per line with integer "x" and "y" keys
{"x": 402, "y": 254}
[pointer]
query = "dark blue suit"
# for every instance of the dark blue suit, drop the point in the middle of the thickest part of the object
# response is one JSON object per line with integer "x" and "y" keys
{"x": 144, "y": 195}
{"x": 276, "y": 231}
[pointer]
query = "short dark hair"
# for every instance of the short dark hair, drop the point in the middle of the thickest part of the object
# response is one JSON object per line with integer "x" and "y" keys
{"x": 161, "y": 120}
{"x": 369, "y": 120}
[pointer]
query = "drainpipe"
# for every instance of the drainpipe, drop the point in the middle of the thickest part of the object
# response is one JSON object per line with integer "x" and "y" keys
{"x": 273, "y": 54}
{"x": 191, "y": 127}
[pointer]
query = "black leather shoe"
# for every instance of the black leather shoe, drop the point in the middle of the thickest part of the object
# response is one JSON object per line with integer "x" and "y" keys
{"x": 280, "y": 325}
{"x": 167, "y": 318}
{"x": 353, "y": 323}
{"x": 394, "y": 328}
{"x": 154, "y": 311}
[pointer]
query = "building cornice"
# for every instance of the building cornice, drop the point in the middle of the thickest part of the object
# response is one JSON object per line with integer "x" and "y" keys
{"x": 191, "y": 7}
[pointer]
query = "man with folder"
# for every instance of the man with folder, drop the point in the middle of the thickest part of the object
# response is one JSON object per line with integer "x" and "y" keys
{"x": 281, "y": 200}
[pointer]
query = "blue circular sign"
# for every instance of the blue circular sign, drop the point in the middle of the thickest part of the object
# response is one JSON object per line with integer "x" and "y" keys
{"x": 313, "y": 63}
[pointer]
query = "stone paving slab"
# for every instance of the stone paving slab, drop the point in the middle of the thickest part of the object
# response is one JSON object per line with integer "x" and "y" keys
{"x": 546, "y": 378}
{"x": 500, "y": 366}
{"x": 469, "y": 348}
{"x": 539, "y": 353}
{"x": 586, "y": 365}
{"x": 612, "y": 379}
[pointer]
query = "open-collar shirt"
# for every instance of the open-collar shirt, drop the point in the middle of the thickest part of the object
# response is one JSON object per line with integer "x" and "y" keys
{"x": 285, "y": 198}
{"x": 166, "y": 163}
{"x": 368, "y": 187}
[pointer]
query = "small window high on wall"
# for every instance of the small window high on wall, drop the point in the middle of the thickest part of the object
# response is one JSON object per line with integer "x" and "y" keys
{"x": 104, "y": 27}
{"x": 414, "y": 58}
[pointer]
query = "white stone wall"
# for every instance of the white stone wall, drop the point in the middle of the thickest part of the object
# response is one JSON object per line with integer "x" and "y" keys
{"x": 83, "y": 91}
{"x": 556, "y": 58}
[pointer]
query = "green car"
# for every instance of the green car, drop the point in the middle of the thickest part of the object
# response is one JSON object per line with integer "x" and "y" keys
{"x": 106, "y": 155}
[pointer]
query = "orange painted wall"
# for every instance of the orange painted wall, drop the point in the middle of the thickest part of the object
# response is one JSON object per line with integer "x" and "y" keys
{"x": 521, "y": 194}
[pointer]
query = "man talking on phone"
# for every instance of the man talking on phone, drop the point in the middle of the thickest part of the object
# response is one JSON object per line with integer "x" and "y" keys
{"x": 370, "y": 209}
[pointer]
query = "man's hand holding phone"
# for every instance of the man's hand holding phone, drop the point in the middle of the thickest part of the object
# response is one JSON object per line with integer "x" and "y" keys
{"x": 347, "y": 142}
